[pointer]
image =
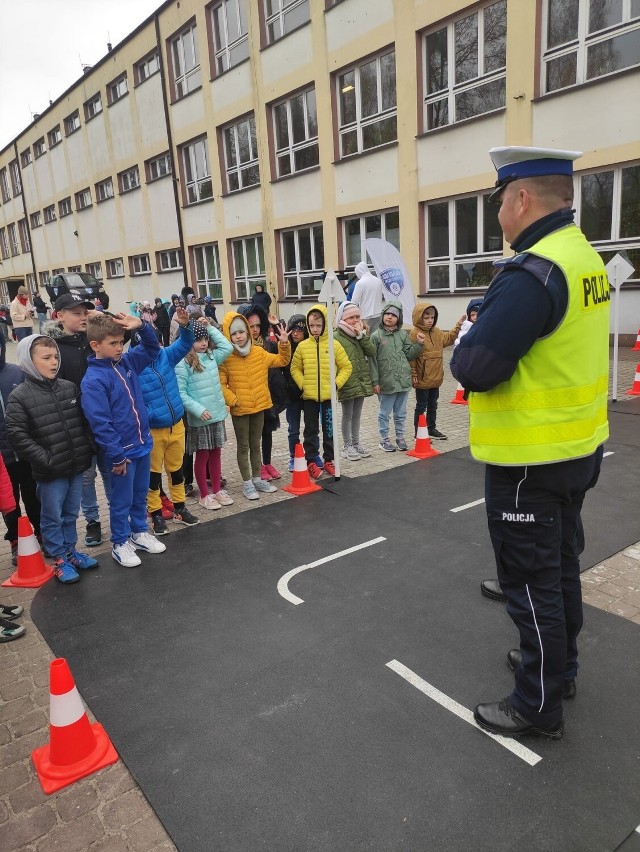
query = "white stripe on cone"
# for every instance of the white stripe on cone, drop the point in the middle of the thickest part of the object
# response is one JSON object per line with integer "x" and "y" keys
{"x": 422, "y": 433}
{"x": 66, "y": 709}
{"x": 28, "y": 545}
{"x": 299, "y": 464}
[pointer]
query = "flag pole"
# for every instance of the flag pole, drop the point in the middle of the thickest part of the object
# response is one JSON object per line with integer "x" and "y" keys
{"x": 330, "y": 293}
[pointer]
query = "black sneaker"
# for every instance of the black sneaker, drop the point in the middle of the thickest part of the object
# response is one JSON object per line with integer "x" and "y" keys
{"x": 184, "y": 516}
{"x": 93, "y": 536}
{"x": 439, "y": 436}
{"x": 159, "y": 524}
{"x": 14, "y": 554}
{"x": 188, "y": 489}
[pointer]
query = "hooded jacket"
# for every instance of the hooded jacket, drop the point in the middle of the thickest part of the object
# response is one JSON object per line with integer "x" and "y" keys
{"x": 367, "y": 294}
{"x": 10, "y": 377}
{"x": 113, "y": 403}
{"x": 427, "y": 370}
{"x": 74, "y": 351}
{"x": 390, "y": 368}
{"x": 244, "y": 378}
{"x": 358, "y": 350}
{"x": 45, "y": 424}
{"x": 159, "y": 386}
{"x": 202, "y": 391}
{"x": 310, "y": 363}
{"x": 474, "y": 305}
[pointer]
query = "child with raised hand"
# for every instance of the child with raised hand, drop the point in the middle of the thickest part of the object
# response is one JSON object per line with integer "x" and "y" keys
{"x": 114, "y": 407}
{"x": 353, "y": 335}
{"x": 46, "y": 428}
{"x": 310, "y": 371}
{"x": 391, "y": 373}
{"x": 245, "y": 384}
{"x": 297, "y": 330}
{"x": 201, "y": 394}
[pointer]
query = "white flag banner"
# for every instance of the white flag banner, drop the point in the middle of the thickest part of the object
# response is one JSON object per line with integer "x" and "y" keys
{"x": 391, "y": 270}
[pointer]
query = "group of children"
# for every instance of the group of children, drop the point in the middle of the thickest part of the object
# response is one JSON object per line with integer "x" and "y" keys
{"x": 124, "y": 412}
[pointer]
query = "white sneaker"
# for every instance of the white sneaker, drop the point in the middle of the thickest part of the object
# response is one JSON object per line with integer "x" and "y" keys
{"x": 223, "y": 498}
{"x": 363, "y": 452}
{"x": 209, "y": 502}
{"x": 350, "y": 453}
{"x": 249, "y": 490}
{"x": 264, "y": 486}
{"x": 148, "y": 542}
{"x": 125, "y": 555}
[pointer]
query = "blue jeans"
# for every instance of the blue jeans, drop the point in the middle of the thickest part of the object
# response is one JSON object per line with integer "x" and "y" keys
{"x": 42, "y": 318}
{"x": 396, "y": 404}
{"x": 21, "y": 333}
{"x": 89, "y": 502}
{"x": 128, "y": 505}
{"x": 293, "y": 413}
{"x": 59, "y": 508}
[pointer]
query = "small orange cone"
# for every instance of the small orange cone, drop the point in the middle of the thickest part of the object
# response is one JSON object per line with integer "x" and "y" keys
{"x": 636, "y": 348}
{"x": 423, "y": 448}
{"x": 76, "y": 747}
{"x": 300, "y": 481}
{"x": 32, "y": 571}
{"x": 459, "y": 399}
{"x": 635, "y": 390}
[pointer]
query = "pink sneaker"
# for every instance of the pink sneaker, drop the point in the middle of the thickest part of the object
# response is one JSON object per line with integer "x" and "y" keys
{"x": 264, "y": 473}
{"x": 275, "y": 474}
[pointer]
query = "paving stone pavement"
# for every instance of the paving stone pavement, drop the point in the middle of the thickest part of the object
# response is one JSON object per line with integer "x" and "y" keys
{"x": 107, "y": 811}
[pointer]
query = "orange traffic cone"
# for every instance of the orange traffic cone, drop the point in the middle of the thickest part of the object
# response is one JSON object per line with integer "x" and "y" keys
{"x": 459, "y": 399}
{"x": 76, "y": 747}
{"x": 32, "y": 571}
{"x": 301, "y": 481}
{"x": 635, "y": 390}
{"x": 423, "y": 448}
{"x": 636, "y": 348}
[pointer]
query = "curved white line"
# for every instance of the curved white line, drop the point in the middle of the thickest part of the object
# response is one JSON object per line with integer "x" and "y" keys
{"x": 283, "y": 582}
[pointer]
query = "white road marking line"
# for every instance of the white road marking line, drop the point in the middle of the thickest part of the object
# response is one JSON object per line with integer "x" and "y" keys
{"x": 610, "y": 453}
{"x": 467, "y": 505}
{"x": 513, "y": 746}
{"x": 638, "y": 829}
{"x": 283, "y": 582}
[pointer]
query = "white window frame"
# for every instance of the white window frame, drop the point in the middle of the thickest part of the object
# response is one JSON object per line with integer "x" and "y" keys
{"x": 4, "y": 185}
{"x": 115, "y": 267}
{"x": 104, "y": 190}
{"x": 300, "y": 283}
{"x": 286, "y": 154}
{"x": 4, "y": 244}
{"x": 117, "y": 89}
{"x": 57, "y": 271}
{"x": 140, "y": 264}
{"x": 49, "y": 214}
{"x": 39, "y": 148}
{"x": 582, "y": 42}
{"x": 351, "y": 262}
{"x": 147, "y": 67}
{"x": 44, "y": 277}
{"x": 94, "y": 269}
{"x": 16, "y": 182}
{"x": 458, "y": 262}
{"x": 83, "y": 199}
{"x": 449, "y": 94}
{"x": 159, "y": 167}
{"x": 24, "y": 236}
{"x": 169, "y": 260}
{"x": 64, "y": 207}
{"x": 206, "y": 266}
{"x": 230, "y": 28}
{"x": 93, "y": 107}
{"x": 361, "y": 124}
{"x": 36, "y": 219}
{"x": 278, "y": 16}
{"x": 129, "y": 180}
{"x": 74, "y": 269}
{"x": 54, "y": 136}
{"x": 237, "y": 171}
{"x": 186, "y": 61}
{"x": 72, "y": 123}
{"x": 197, "y": 171}
{"x": 14, "y": 245}
{"x": 25, "y": 157}
{"x": 245, "y": 281}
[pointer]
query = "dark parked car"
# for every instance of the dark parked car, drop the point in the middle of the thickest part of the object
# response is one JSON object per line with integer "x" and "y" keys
{"x": 82, "y": 283}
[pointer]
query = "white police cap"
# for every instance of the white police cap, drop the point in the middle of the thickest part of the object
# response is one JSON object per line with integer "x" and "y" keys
{"x": 514, "y": 162}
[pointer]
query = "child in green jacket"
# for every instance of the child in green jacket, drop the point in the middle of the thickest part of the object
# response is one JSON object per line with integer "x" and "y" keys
{"x": 353, "y": 335}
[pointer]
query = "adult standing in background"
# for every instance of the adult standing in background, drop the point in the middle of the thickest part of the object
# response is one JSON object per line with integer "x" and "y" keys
{"x": 41, "y": 309}
{"x": 367, "y": 295}
{"x": 21, "y": 312}
{"x": 261, "y": 298}
{"x": 538, "y": 419}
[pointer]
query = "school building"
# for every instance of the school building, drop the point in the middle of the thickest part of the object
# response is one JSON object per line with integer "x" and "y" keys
{"x": 233, "y": 142}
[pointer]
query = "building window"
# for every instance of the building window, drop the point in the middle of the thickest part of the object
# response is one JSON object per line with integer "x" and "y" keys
{"x": 197, "y": 174}
{"x": 93, "y": 107}
{"x": 230, "y": 34}
{"x": 83, "y": 199}
{"x": 36, "y": 219}
{"x": 139, "y": 264}
{"x": 25, "y": 157}
{"x": 31, "y": 281}
{"x": 16, "y": 183}
{"x": 39, "y": 148}
{"x": 169, "y": 260}
{"x": 4, "y": 185}
{"x": 609, "y": 205}
{"x": 463, "y": 239}
{"x": 72, "y": 123}
{"x": 115, "y": 268}
{"x": 74, "y": 269}
{"x": 43, "y": 278}
{"x": 4, "y": 244}
{"x": 13, "y": 239}
{"x": 384, "y": 225}
{"x": 50, "y": 213}
{"x": 302, "y": 260}
{"x": 185, "y": 62}
{"x": 248, "y": 266}
{"x": 367, "y": 105}
{"x": 54, "y": 136}
{"x": 587, "y": 39}
{"x": 128, "y": 180}
{"x": 207, "y": 265}
{"x": 295, "y": 128}
{"x": 24, "y": 236}
{"x": 146, "y": 67}
{"x": 95, "y": 269}
{"x": 117, "y": 89}
{"x": 465, "y": 67}
{"x": 241, "y": 154}
{"x": 104, "y": 190}
{"x": 64, "y": 207}
{"x": 284, "y": 16}
{"x": 57, "y": 271}
{"x": 158, "y": 167}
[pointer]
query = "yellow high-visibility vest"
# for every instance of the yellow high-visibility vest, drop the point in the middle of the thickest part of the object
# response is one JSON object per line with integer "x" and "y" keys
{"x": 554, "y": 407}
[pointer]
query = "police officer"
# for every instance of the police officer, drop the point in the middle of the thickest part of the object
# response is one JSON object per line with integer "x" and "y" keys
{"x": 536, "y": 364}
